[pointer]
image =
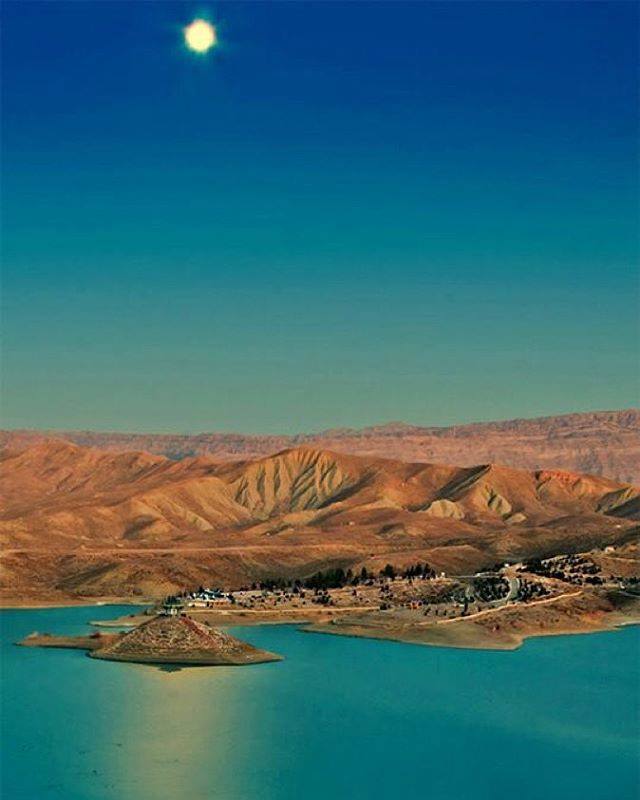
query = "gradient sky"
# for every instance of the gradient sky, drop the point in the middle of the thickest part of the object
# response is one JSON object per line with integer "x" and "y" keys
{"x": 345, "y": 214}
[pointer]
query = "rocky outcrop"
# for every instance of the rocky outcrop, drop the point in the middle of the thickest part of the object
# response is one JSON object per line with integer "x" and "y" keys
{"x": 444, "y": 509}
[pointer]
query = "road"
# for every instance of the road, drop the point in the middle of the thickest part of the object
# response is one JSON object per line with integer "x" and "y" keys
{"x": 493, "y": 609}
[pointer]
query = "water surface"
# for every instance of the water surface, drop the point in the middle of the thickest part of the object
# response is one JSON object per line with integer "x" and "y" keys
{"x": 339, "y": 718}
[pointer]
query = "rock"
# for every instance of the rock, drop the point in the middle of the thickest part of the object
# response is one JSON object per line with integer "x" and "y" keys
{"x": 515, "y": 519}
{"x": 444, "y": 509}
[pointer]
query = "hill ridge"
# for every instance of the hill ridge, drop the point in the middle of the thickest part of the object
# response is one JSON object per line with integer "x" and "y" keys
{"x": 82, "y": 521}
{"x": 600, "y": 443}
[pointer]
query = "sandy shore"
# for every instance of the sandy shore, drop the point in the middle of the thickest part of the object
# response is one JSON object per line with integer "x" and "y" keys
{"x": 91, "y": 642}
{"x": 225, "y": 618}
{"x": 504, "y": 628}
{"x": 461, "y": 636}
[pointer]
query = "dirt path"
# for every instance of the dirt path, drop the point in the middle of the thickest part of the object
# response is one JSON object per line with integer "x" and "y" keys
{"x": 82, "y": 551}
{"x": 326, "y": 610}
{"x": 497, "y": 609}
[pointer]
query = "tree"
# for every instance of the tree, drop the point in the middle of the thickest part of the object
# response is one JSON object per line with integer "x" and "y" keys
{"x": 331, "y": 579}
{"x": 388, "y": 572}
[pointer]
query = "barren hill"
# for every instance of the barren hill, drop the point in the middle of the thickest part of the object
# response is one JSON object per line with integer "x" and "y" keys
{"x": 181, "y": 640}
{"x": 600, "y": 443}
{"x": 79, "y": 521}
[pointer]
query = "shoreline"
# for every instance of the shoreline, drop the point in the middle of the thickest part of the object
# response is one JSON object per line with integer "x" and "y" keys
{"x": 262, "y": 657}
{"x": 33, "y": 605}
{"x": 505, "y": 629}
{"x": 510, "y": 644}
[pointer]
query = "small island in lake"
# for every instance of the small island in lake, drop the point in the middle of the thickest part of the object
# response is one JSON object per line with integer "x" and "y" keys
{"x": 170, "y": 637}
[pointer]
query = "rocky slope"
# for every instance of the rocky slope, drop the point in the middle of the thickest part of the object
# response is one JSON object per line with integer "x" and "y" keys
{"x": 181, "y": 640}
{"x": 178, "y": 640}
{"x": 600, "y": 443}
{"x": 78, "y": 521}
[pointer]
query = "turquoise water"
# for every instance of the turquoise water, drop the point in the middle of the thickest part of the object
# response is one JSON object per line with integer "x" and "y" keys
{"x": 340, "y": 718}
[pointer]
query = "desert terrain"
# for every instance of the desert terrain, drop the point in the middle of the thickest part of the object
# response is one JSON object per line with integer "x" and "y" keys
{"x": 83, "y": 524}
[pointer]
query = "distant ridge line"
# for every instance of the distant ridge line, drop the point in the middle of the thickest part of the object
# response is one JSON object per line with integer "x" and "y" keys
{"x": 631, "y": 414}
{"x": 603, "y": 443}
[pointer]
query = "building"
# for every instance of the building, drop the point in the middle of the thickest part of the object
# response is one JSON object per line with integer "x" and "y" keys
{"x": 172, "y": 607}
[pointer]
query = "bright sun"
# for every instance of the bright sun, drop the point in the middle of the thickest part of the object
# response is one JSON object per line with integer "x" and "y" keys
{"x": 200, "y": 36}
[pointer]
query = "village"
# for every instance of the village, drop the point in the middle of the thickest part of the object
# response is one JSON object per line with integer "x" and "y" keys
{"x": 416, "y": 592}
{"x": 413, "y": 595}
{"x": 496, "y": 608}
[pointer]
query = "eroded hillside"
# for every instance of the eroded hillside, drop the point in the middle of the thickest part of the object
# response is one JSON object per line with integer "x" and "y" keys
{"x": 80, "y": 521}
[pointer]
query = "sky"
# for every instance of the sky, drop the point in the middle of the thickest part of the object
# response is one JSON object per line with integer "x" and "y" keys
{"x": 344, "y": 214}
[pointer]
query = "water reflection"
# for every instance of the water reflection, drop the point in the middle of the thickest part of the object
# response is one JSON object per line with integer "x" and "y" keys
{"x": 339, "y": 718}
{"x": 176, "y": 725}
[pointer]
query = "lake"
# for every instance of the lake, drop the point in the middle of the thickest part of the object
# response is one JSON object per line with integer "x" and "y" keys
{"x": 339, "y": 718}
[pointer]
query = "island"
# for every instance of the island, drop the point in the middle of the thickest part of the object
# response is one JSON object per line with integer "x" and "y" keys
{"x": 169, "y": 637}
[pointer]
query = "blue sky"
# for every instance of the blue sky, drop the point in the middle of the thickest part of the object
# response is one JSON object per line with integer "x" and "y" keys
{"x": 344, "y": 214}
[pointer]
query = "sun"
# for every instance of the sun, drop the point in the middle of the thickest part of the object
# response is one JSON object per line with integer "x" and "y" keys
{"x": 200, "y": 36}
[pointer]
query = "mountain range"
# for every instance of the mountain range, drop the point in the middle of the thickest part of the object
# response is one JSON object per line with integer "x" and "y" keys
{"x": 600, "y": 443}
{"x": 85, "y": 521}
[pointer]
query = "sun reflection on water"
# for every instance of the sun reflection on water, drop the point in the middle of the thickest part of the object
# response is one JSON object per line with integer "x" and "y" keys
{"x": 175, "y": 726}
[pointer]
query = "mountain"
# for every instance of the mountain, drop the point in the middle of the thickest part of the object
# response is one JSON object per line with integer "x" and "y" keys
{"x": 600, "y": 443}
{"x": 81, "y": 521}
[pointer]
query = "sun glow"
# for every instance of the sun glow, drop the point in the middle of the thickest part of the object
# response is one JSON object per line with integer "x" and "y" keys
{"x": 200, "y": 36}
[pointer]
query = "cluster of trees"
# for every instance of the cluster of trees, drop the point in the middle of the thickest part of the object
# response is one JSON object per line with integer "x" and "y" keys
{"x": 456, "y": 594}
{"x": 272, "y": 585}
{"x": 322, "y": 598}
{"x": 530, "y": 589}
{"x": 337, "y": 578}
{"x": 491, "y": 587}
{"x": 572, "y": 569}
{"x": 330, "y": 579}
{"x": 388, "y": 571}
{"x": 419, "y": 570}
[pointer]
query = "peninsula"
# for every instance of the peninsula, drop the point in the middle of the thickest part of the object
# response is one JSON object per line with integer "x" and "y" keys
{"x": 496, "y": 609}
{"x": 170, "y": 637}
